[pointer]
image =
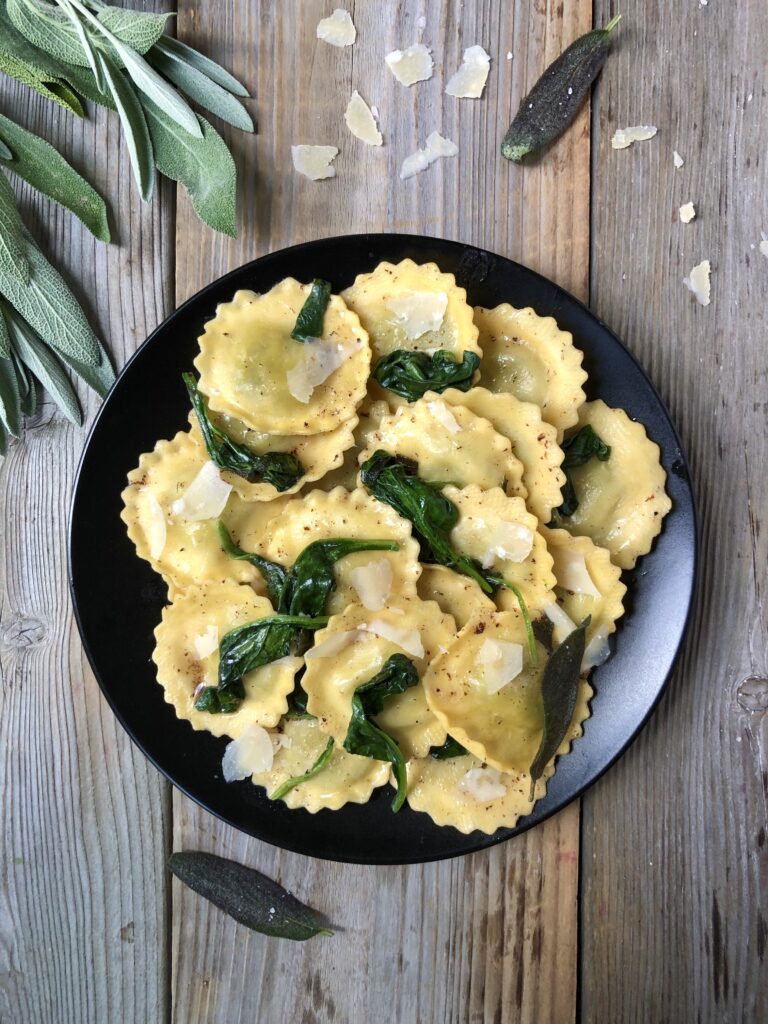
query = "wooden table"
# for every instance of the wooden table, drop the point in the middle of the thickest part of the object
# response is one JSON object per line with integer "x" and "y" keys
{"x": 643, "y": 902}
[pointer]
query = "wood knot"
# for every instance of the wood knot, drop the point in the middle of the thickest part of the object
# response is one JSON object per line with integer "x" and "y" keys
{"x": 25, "y": 631}
{"x": 752, "y": 694}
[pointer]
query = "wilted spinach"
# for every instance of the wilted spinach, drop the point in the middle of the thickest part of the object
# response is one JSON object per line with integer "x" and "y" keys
{"x": 579, "y": 448}
{"x": 309, "y": 322}
{"x": 310, "y": 773}
{"x": 451, "y": 748}
{"x": 412, "y": 374}
{"x": 274, "y": 575}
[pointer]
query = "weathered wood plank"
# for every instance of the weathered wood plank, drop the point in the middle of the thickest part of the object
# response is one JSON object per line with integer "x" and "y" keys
{"x": 675, "y": 860}
{"x": 491, "y": 937}
{"x": 86, "y": 820}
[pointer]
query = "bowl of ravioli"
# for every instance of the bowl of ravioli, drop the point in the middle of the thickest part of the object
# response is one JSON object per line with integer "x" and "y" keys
{"x": 380, "y": 567}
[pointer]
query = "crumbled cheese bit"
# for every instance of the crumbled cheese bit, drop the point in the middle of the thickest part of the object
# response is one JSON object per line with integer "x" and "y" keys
{"x": 314, "y": 162}
{"x": 624, "y": 137}
{"x": 155, "y": 528}
{"x": 418, "y": 312}
{"x": 335, "y": 643}
{"x": 407, "y": 639}
{"x": 764, "y": 244}
{"x": 698, "y": 282}
{"x": 436, "y": 148}
{"x": 421, "y": 22}
{"x": 677, "y": 159}
{"x": 483, "y": 784}
{"x": 338, "y": 29}
{"x": 561, "y": 620}
{"x": 509, "y": 55}
{"x": 317, "y": 361}
{"x": 204, "y": 498}
{"x": 373, "y": 583}
{"x": 206, "y": 643}
{"x": 469, "y": 81}
{"x": 512, "y": 542}
{"x": 439, "y": 411}
{"x": 361, "y": 121}
{"x": 412, "y": 65}
{"x": 280, "y": 740}
{"x": 499, "y": 662}
{"x": 571, "y": 572}
{"x": 250, "y": 754}
{"x": 687, "y": 213}
{"x": 597, "y": 650}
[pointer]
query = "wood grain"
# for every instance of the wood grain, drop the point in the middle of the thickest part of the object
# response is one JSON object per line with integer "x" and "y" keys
{"x": 86, "y": 819}
{"x": 674, "y": 837}
{"x": 491, "y": 937}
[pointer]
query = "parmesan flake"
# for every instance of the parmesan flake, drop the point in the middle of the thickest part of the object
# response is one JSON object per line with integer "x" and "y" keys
{"x": 361, "y": 121}
{"x": 499, "y": 662}
{"x": 597, "y": 650}
{"x": 764, "y": 244}
{"x": 338, "y": 29}
{"x": 206, "y": 643}
{"x": 561, "y": 620}
{"x": 469, "y": 81}
{"x": 624, "y": 137}
{"x": 440, "y": 412}
{"x": 418, "y": 312}
{"x": 407, "y": 639}
{"x": 678, "y": 160}
{"x": 483, "y": 785}
{"x": 687, "y": 213}
{"x": 204, "y": 498}
{"x": 412, "y": 65}
{"x": 317, "y": 361}
{"x": 251, "y": 753}
{"x": 435, "y": 148}
{"x": 373, "y": 583}
{"x": 333, "y": 645}
{"x": 698, "y": 282}
{"x": 155, "y": 529}
{"x": 510, "y": 541}
{"x": 314, "y": 162}
{"x": 571, "y": 572}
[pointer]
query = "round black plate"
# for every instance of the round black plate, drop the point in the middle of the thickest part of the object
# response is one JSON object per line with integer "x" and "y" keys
{"x": 118, "y": 598}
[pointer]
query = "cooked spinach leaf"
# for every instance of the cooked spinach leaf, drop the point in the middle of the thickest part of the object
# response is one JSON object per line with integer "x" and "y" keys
{"x": 274, "y": 575}
{"x": 296, "y": 780}
{"x": 364, "y": 737}
{"x": 578, "y": 449}
{"x": 309, "y": 322}
{"x": 281, "y": 469}
{"x": 412, "y": 374}
{"x": 297, "y": 699}
{"x": 559, "y": 687}
{"x": 451, "y": 748}
{"x": 530, "y": 636}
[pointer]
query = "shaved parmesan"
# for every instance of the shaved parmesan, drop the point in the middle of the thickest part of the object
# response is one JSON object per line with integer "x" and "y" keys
{"x": 571, "y": 572}
{"x": 687, "y": 213}
{"x": 316, "y": 362}
{"x": 412, "y": 65}
{"x": 251, "y": 753}
{"x": 338, "y": 29}
{"x": 335, "y": 643}
{"x": 204, "y": 498}
{"x": 440, "y": 412}
{"x": 436, "y": 148}
{"x": 206, "y": 643}
{"x": 499, "y": 662}
{"x": 677, "y": 159}
{"x": 624, "y": 137}
{"x": 155, "y": 527}
{"x": 698, "y": 282}
{"x": 469, "y": 81}
{"x": 563, "y": 623}
{"x": 373, "y": 583}
{"x": 483, "y": 785}
{"x": 408, "y": 639}
{"x": 597, "y": 650}
{"x": 764, "y": 244}
{"x": 361, "y": 122}
{"x": 418, "y": 312}
{"x": 510, "y": 541}
{"x": 314, "y": 162}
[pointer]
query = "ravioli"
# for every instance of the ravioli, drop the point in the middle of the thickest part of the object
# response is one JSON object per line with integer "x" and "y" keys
{"x": 370, "y": 414}
{"x": 456, "y": 595}
{"x": 531, "y": 358}
{"x": 334, "y": 674}
{"x": 534, "y": 443}
{"x": 489, "y": 528}
{"x": 346, "y": 778}
{"x": 247, "y": 357}
{"x": 622, "y": 501}
{"x": 185, "y": 625}
{"x": 391, "y": 303}
{"x": 472, "y": 453}
{"x": 341, "y": 514}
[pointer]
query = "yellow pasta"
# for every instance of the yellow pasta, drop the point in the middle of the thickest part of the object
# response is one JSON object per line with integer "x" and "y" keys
{"x": 456, "y": 595}
{"x": 370, "y": 414}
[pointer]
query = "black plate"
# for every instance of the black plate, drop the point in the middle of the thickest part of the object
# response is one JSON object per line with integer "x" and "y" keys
{"x": 118, "y": 598}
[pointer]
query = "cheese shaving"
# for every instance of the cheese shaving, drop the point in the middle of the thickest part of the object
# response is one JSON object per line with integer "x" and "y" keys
{"x": 571, "y": 572}
{"x": 206, "y": 643}
{"x": 687, "y": 213}
{"x": 412, "y": 65}
{"x": 483, "y": 785}
{"x": 250, "y": 754}
{"x": 204, "y": 498}
{"x": 314, "y": 162}
{"x": 407, "y": 639}
{"x": 155, "y": 529}
{"x": 440, "y": 412}
{"x": 469, "y": 81}
{"x": 677, "y": 159}
{"x": 316, "y": 362}
{"x": 435, "y": 148}
{"x": 563, "y": 623}
{"x": 361, "y": 122}
{"x": 597, "y": 650}
{"x": 335, "y": 643}
{"x": 373, "y": 583}
{"x": 624, "y": 137}
{"x": 338, "y": 29}
{"x": 764, "y": 244}
{"x": 698, "y": 282}
{"x": 510, "y": 541}
{"x": 418, "y": 312}
{"x": 499, "y": 662}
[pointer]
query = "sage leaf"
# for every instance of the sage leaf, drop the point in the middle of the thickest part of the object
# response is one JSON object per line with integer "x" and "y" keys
{"x": 297, "y": 780}
{"x": 274, "y": 575}
{"x": 35, "y": 68}
{"x": 544, "y": 629}
{"x": 200, "y": 88}
{"x": 248, "y": 896}
{"x": 43, "y": 167}
{"x": 45, "y": 366}
{"x": 85, "y": 43}
{"x": 579, "y": 449}
{"x": 134, "y": 126}
{"x": 139, "y": 29}
{"x": 412, "y": 374}
{"x": 27, "y": 386}
{"x": 559, "y": 688}
{"x": 195, "y": 59}
{"x": 204, "y": 166}
{"x": 47, "y": 28}
{"x": 3, "y": 440}
{"x": 100, "y": 378}
{"x": 309, "y": 322}
{"x": 451, "y": 748}
{"x": 14, "y": 260}
{"x": 5, "y": 153}
{"x": 5, "y": 338}
{"x": 10, "y": 398}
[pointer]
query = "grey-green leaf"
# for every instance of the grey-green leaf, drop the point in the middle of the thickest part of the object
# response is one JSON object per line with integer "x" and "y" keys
{"x": 35, "y": 68}
{"x": 139, "y": 29}
{"x": 45, "y": 366}
{"x": 5, "y": 153}
{"x": 27, "y": 386}
{"x": 10, "y": 398}
{"x": 209, "y": 68}
{"x": 86, "y": 44}
{"x": 204, "y": 166}
{"x": 5, "y": 338}
{"x": 38, "y": 163}
{"x": 134, "y": 126}
{"x": 100, "y": 378}
{"x": 14, "y": 261}
{"x": 3, "y": 440}
{"x": 47, "y": 28}
{"x": 200, "y": 88}
{"x": 248, "y": 896}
